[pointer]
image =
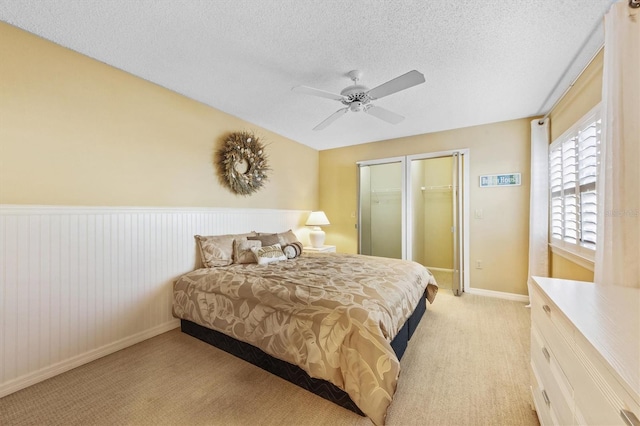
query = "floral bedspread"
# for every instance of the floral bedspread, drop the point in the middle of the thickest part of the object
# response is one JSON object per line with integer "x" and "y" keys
{"x": 333, "y": 315}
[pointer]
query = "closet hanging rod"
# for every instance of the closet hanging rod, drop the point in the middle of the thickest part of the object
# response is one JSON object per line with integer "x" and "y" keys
{"x": 431, "y": 188}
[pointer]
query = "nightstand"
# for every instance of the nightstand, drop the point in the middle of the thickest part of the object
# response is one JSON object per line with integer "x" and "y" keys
{"x": 323, "y": 249}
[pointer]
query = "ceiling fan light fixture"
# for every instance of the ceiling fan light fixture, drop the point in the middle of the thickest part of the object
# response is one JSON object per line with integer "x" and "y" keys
{"x": 356, "y": 106}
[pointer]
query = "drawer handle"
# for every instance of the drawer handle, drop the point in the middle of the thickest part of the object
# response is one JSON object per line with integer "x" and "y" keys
{"x": 545, "y": 352}
{"x": 546, "y": 308}
{"x": 546, "y": 398}
{"x": 629, "y": 418}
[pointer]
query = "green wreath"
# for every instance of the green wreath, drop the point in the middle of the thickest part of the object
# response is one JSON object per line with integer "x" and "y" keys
{"x": 243, "y": 163}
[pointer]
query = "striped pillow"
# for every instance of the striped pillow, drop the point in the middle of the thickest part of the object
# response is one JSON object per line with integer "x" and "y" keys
{"x": 292, "y": 250}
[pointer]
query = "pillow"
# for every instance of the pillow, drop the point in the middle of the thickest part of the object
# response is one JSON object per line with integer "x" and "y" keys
{"x": 268, "y": 254}
{"x": 284, "y": 238}
{"x": 292, "y": 250}
{"x": 242, "y": 250}
{"x": 287, "y": 237}
{"x": 266, "y": 239}
{"x": 217, "y": 250}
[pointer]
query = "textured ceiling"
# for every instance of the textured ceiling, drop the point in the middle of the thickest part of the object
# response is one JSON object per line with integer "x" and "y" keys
{"x": 484, "y": 61}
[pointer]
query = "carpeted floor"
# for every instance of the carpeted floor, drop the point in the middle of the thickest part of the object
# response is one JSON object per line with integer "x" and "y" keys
{"x": 467, "y": 364}
{"x": 444, "y": 279}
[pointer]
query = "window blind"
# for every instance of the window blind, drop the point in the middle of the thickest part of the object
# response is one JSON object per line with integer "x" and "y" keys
{"x": 573, "y": 166}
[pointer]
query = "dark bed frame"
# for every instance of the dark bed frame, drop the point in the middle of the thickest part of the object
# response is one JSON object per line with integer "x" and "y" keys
{"x": 293, "y": 373}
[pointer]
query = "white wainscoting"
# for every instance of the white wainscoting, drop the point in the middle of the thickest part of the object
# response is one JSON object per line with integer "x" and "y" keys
{"x": 78, "y": 283}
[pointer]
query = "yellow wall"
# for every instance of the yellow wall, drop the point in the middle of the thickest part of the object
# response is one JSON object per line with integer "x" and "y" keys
{"x": 74, "y": 131}
{"x": 583, "y": 96}
{"x": 438, "y": 213}
{"x": 580, "y": 99}
{"x": 562, "y": 267}
{"x": 500, "y": 240}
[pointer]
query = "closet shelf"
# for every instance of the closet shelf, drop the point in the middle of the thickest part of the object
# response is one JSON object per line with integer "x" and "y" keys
{"x": 436, "y": 188}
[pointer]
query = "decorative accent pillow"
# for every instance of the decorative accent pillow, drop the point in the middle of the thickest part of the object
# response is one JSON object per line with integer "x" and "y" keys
{"x": 287, "y": 237}
{"x": 292, "y": 250}
{"x": 268, "y": 254}
{"x": 266, "y": 239}
{"x": 242, "y": 250}
{"x": 217, "y": 250}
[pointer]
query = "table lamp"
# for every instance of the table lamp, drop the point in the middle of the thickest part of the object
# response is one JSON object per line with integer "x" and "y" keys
{"x": 316, "y": 236}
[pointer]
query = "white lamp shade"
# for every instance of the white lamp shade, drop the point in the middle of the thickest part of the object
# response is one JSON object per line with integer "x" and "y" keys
{"x": 316, "y": 236}
{"x": 317, "y": 219}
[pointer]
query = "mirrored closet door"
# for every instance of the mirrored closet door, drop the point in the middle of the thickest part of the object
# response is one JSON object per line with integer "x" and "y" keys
{"x": 381, "y": 208}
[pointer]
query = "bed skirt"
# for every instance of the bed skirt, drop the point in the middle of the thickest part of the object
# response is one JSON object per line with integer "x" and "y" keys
{"x": 293, "y": 373}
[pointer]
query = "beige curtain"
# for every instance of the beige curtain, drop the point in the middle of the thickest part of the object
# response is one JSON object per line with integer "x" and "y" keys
{"x": 618, "y": 234}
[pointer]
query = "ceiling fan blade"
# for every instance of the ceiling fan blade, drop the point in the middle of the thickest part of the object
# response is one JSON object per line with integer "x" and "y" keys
{"x": 317, "y": 92}
{"x": 333, "y": 117}
{"x": 384, "y": 114}
{"x": 410, "y": 79}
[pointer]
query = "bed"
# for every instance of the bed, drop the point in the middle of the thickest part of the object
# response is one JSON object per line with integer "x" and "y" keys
{"x": 335, "y": 324}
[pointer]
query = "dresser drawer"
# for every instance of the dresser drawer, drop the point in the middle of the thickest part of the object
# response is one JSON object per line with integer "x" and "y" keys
{"x": 551, "y": 380}
{"x": 601, "y": 397}
{"x": 550, "y": 319}
{"x": 558, "y": 333}
{"x": 540, "y": 399}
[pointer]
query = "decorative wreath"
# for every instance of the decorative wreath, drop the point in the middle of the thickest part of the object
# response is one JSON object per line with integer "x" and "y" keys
{"x": 243, "y": 163}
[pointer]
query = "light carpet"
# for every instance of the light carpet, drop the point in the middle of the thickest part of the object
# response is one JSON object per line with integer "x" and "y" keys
{"x": 467, "y": 364}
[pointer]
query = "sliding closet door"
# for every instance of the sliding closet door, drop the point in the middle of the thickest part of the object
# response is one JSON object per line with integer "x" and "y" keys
{"x": 381, "y": 208}
{"x": 435, "y": 212}
{"x": 413, "y": 208}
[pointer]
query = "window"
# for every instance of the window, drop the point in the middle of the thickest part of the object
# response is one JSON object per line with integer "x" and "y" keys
{"x": 573, "y": 163}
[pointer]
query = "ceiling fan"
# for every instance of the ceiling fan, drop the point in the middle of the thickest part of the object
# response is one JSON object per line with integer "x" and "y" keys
{"x": 359, "y": 98}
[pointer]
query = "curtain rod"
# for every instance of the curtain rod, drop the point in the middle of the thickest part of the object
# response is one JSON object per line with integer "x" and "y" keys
{"x": 570, "y": 85}
{"x": 633, "y": 4}
{"x": 584, "y": 43}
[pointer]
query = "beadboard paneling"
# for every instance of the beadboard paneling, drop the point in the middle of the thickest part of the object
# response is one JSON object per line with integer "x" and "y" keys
{"x": 78, "y": 283}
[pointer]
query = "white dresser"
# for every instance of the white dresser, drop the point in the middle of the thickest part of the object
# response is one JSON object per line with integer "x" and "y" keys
{"x": 585, "y": 353}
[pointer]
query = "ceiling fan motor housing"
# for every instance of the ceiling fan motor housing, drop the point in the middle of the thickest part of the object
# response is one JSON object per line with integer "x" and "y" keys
{"x": 355, "y": 94}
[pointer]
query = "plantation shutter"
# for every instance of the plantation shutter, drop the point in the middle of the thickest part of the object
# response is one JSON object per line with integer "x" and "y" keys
{"x": 587, "y": 170}
{"x": 569, "y": 179}
{"x": 555, "y": 180}
{"x": 573, "y": 164}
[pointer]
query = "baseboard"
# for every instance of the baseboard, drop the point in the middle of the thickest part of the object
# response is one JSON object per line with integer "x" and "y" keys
{"x": 499, "y": 294}
{"x": 71, "y": 363}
